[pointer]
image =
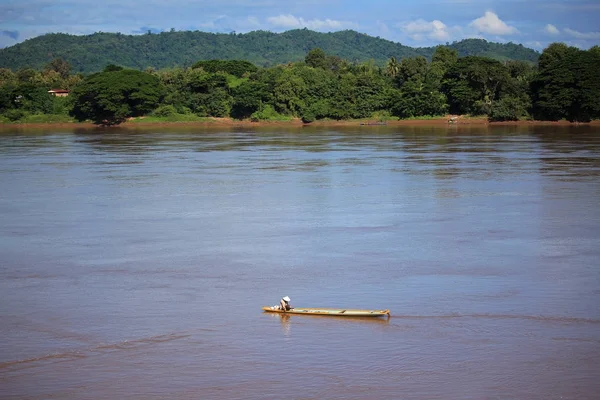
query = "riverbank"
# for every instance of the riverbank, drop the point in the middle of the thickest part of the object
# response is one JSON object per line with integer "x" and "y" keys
{"x": 229, "y": 122}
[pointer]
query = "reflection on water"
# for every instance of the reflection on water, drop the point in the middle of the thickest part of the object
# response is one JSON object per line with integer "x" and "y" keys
{"x": 287, "y": 321}
{"x": 285, "y": 324}
{"x": 133, "y": 263}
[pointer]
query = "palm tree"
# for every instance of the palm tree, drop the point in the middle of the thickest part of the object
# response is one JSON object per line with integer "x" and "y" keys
{"x": 393, "y": 67}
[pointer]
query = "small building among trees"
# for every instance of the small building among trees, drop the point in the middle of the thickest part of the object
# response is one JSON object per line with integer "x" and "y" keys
{"x": 59, "y": 92}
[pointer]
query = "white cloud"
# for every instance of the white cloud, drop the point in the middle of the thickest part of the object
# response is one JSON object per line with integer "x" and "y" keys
{"x": 535, "y": 44}
{"x": 490, "y": 23}
{"x": 551, "y": 29}
{"x": 226, "y": 24}
{"x": 382, "y": 27}
{"x": 583, "y": 35}
{"x": 291, "y": 22}
{"x": 421, "y": 30}
{"x": 253, "y": 21}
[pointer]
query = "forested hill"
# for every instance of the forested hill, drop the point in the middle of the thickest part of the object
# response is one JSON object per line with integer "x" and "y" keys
{"x": 92, "y": 53}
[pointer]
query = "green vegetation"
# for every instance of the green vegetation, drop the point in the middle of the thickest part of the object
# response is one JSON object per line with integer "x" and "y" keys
{"x": 91, "y": 53}
{"x": 170, "y": 118}
{"x": 568, "y": 84}
{"x": 24, "y": 94}
{"x": 565, "y": 85}
{"x": 112, "y": 96}
{"x": 268, "y": 113}
{"x": 236, "y": 68}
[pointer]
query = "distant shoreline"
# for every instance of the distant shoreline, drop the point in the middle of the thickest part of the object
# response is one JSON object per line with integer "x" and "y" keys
{"x": 228, "y": 122}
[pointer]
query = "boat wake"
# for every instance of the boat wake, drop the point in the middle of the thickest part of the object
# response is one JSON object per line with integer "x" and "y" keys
{"x": 542, "y": 318}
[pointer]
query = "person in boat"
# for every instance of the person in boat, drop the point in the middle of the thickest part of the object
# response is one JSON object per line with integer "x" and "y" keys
{"x": 284, "y": 304}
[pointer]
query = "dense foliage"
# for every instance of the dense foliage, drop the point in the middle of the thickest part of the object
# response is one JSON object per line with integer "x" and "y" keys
{"x": 233, "y": 67}
{"x": 112, "y": 96}
{"x": 25, "y": 92}
{"x": 565, "y": 85}
{"x": 568, "y": 84}
{"x": 90, "y": 53}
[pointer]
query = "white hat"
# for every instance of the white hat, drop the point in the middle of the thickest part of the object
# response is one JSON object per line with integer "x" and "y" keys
{"x": 287, "y": 299}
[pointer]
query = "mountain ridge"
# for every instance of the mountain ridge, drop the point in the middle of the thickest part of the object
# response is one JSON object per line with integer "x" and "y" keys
{"x": 91, "y": 53}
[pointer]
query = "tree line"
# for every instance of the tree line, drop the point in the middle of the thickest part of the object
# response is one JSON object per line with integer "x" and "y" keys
{"x": 564, "y": 85}
{"x": 91, "y": 53}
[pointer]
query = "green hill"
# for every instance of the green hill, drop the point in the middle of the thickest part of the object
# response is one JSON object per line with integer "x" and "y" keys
{"x": 91, "y": 53}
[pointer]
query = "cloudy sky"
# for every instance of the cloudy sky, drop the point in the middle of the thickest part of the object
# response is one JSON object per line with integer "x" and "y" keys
{"x": 534, "y": 23}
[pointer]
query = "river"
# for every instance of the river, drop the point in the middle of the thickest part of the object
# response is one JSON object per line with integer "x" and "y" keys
{"x": 134, "y": 263}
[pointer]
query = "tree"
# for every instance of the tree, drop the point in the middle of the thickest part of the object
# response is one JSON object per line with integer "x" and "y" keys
{"x": 392, "y": 67}
{"x": 26, "y": 75}
{"x": 34, "y": 98}
{"x": 111, "y": 97}
{"x": 555, "y": 52}
{"x": 7, "y": 77}
{"x": 112, "y": 68}
{"x": 291, "y": 92}
{"x": 316, "y": 58}
{"x": 25, "y": 97}
{"x": 508, "y": 109}
{"x": 59, "y": 65}
{"x": 442, "y": 60}
{"x": 567, "y": 85}
{"x": 413, "y": 68}
{"x": 445, "y": 56}
{"x": 249, "y": 98}
{"x": 416, "y": 98}
{"x": 234, "y": 67}
{"x": 473, "y": 84}
{"x": 514, "y": 95}
{"x": 585, "y": 105}
{"x": 344, "y": 97}
{"x": 7, "y": 97}
{"x": 553, "y": 89}
{"x": 370, "y": 95}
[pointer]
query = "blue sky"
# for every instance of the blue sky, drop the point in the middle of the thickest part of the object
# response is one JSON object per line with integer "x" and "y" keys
{"x": 534, "y": 23}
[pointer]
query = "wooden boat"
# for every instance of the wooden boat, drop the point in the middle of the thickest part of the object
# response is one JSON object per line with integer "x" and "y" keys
{"x": 332, "y": 312}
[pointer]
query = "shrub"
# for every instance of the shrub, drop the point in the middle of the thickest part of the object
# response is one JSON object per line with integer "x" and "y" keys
{"x": 15, "y": 114}
{"x": 45, "y": 118}
{"x": 164, "y": 111}
{"x": 507, "y": 109}
{"x": 61, "y": 105}
{"x": 307, "y": 118}
{"x": 383, "y": 115}
{"x": 268, "y": 113}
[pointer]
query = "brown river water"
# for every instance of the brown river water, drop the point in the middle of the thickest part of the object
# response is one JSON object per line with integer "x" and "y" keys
{"x": 134, "y": 263}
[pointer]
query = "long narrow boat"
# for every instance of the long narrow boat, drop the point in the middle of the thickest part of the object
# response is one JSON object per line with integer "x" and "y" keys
{"x": 332, "y": 312}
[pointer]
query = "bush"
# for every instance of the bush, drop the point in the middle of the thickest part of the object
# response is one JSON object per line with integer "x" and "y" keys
{"x": 164, "y": 111}
{"x": 15, "y": 114}
{"x": 308, "y": 118}
{"x": 507, "y": 109}
{"x": 46, "y": 118}
{"x": 481, "y": 107}
{"x": 62, "y": 105}
{"x": 268, "y": 113}
{"x": 383, "y": 115}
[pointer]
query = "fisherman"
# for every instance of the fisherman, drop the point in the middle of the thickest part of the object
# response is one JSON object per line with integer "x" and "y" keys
{"x": 284, "y": 304}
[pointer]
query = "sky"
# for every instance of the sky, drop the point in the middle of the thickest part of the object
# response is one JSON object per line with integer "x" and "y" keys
{"x": 416, "y": 23}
